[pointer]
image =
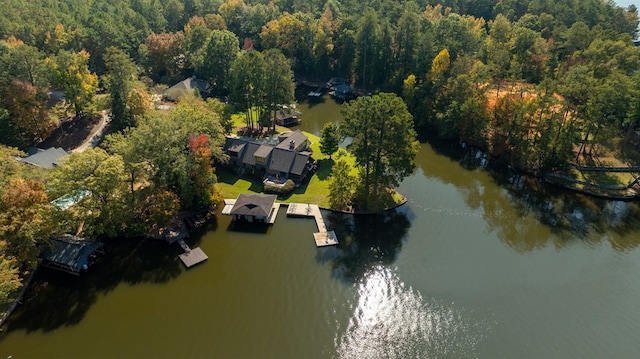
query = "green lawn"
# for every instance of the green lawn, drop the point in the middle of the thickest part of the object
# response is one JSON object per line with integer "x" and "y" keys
{"x": 239, "y": 121}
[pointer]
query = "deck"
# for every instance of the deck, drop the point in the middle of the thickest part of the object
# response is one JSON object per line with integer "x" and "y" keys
{"x": 322, "y": 237}
{"x": 228, "y": 205}
{"x": 191, "y": 257}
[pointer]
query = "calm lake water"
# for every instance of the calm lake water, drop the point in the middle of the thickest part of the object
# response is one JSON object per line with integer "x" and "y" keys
{"x": 478, "y": 264}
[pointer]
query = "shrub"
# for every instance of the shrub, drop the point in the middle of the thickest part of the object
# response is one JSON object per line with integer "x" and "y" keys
{"x": 280, "y": 190}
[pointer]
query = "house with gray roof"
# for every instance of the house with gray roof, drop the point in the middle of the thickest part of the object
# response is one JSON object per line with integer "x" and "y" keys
{"x": 286, "y": 157}
{"x": 45, "y": 158}
{"x": 280, "y": 162}
{"x": 293, "y": 140}
{"x": 186, "y": 86}
{"x": 287, "y": 116}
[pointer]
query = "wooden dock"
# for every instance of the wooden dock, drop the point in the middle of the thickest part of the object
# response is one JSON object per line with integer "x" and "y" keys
{"x": 191, "y": 257}
{"x": 228, "y": 205}
{"x": 274, "y": 213}
{"x": 322, "y": 237}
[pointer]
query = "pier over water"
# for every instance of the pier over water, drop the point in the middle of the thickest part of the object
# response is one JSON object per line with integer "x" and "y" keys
{"x": 323, "y": 237}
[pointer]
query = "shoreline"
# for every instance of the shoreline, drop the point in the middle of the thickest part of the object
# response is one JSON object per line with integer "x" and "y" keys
{"x": 12, "y": 307}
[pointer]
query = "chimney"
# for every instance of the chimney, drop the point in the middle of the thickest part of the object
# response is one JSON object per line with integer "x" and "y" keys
{"x": 292, "y": 144}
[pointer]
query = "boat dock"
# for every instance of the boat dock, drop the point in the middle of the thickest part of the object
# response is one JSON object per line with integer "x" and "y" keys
{"x": 191, "y": 257}
{"x": 323, "y": 237}
{"x": 230, "y": 202}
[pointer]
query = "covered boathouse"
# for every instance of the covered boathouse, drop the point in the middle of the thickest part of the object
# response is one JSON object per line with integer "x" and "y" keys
{"x": 261, "y": 208}
{"x": 70, "y": 254}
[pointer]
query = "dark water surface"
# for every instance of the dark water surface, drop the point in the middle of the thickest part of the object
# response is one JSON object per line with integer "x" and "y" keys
{"x": 476, "y": 264}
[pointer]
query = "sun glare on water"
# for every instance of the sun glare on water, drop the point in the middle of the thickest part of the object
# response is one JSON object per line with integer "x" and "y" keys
{"x": 391, "y": 320}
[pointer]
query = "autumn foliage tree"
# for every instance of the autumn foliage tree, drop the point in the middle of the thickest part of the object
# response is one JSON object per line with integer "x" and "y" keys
{"x": 23, "y": 219}
{"x": 27, "y": 107}
{"x": 163, "y": 154}
{"x": 70, "y": 71}
{"x": 163, "y": 53}
{"x": 9, "y": 276}
{"x": 160, "y": 208}
{"x": 202, "y": 174}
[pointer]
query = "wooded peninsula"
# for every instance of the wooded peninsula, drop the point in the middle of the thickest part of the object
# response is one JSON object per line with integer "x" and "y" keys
{"x": 547, "y": 86}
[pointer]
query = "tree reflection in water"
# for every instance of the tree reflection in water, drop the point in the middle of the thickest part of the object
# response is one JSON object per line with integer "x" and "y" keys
{"x": 365, "y": 241}
{"x": 519, "y": 203}
{"x": 57, "y": 299}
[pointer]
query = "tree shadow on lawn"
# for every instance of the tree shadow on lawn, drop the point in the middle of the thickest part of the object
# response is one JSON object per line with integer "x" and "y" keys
{"x": 226, "y": 175}
{"x": 57, "y": 299}
{"x": 324, "y": 168}
{"x": 256, "y": 186}
{"x": 229, "y": 176}
{"x": 300, "y": 190}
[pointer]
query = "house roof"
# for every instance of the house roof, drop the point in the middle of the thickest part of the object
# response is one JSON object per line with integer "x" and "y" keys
{"x": 185, "y": 86}
{"x": 249, "y": 158}
{"x": 229, "y": 141}
{"x": 299, "y": 163}
{"x": 263, "y": 151}
{"x": 281, "y": 160}
{"x": 343, "y": 89}
{"x": 287, "y": 113}
{"x": 237, "y": 147}
{"x": 297, "y": 136}
{"x": 70, "y": 252}
{"x": 46, "y": 158}
{"x": 254, "y": 204}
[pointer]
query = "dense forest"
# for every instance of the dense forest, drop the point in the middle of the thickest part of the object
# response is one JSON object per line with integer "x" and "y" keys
{"x": 540, "y": 83}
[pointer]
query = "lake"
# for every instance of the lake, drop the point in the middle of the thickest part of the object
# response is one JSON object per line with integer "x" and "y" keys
{"x": 480, "y": 263}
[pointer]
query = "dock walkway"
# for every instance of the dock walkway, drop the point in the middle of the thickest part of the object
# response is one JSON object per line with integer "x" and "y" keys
{"x": 322, "y": 237}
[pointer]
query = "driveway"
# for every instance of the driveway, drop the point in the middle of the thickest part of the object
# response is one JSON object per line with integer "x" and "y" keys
{"x": 96, "y": 134}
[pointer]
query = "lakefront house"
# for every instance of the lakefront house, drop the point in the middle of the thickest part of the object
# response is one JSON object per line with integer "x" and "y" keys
{"x": 287, "y": 156}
